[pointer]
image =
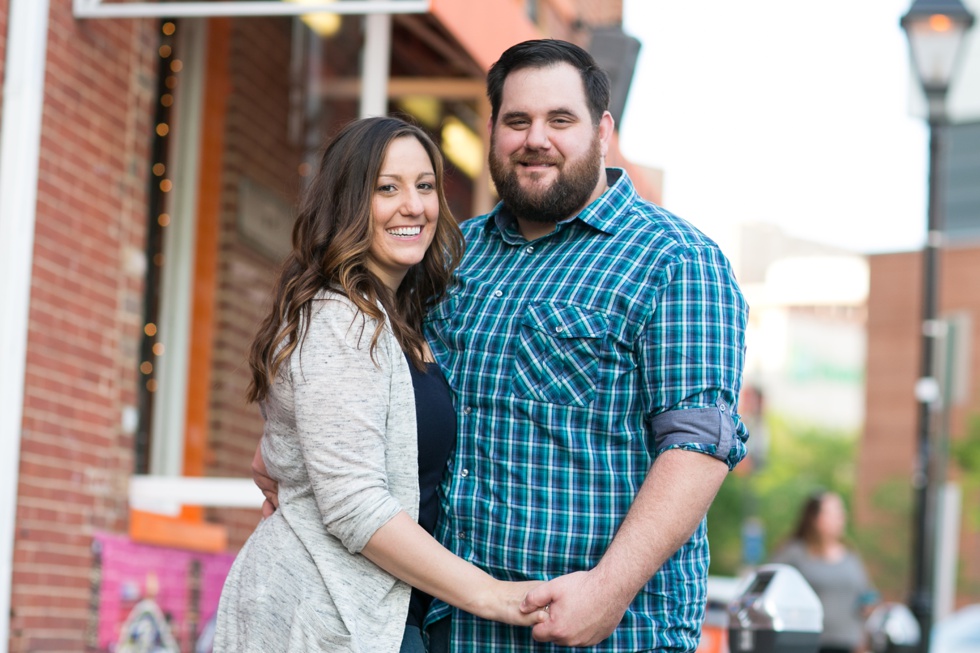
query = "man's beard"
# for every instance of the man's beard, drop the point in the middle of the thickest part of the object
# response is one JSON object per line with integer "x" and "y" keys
{"x": 559, "y": 201}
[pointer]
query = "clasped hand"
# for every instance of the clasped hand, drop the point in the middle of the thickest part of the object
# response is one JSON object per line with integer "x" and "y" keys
{"x": 572, "y": 610}
{"x": 582, "y": 611}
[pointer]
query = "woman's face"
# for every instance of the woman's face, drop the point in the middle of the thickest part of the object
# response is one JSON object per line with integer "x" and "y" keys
{"x": 832, "y": 517}
{"x": 404, "y": 211}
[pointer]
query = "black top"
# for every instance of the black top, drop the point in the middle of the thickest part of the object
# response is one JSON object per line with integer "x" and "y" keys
{"x": 436, "y": 419}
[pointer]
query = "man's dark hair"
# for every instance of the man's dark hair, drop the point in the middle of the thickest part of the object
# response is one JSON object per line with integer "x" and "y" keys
{"x": 542, "y": 53}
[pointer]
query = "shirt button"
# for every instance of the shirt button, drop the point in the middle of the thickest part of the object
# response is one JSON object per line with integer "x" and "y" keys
{"x": 529, "y": 249}
{"x": 464, "y": 473}
{"x": 559, "y": 329}
{"x": 462, "y": 535}
{"x": 498, "y": 293}
{"x": 467, "y": 410}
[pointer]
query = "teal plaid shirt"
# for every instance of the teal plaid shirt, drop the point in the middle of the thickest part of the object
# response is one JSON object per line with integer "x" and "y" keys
{"x": 575, "y": 360}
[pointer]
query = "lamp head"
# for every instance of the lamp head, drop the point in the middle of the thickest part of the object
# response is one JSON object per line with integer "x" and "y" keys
{"x": 935, "y": 30}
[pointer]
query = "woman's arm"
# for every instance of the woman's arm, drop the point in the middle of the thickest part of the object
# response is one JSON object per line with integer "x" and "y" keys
{"x": 404, "y": 549}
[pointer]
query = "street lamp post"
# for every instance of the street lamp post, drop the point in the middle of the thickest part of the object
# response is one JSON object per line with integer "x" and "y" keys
{"x": 935, "y": 30}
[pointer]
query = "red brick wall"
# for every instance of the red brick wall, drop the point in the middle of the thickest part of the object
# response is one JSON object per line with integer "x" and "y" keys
{"x": 84, "y": 319}
{"x": 888, "y": 448}
{"x": 885, "y": 459}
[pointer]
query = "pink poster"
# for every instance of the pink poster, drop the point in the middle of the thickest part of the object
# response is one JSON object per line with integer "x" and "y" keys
{"x": 154, "y": 599}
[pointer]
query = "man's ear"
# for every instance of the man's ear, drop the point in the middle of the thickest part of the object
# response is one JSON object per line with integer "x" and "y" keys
{"x": 606, "y": 127}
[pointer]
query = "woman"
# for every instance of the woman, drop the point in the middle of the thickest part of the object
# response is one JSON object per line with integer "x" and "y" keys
{"x": 833, "y": 570}
{"x": 332, "y": 367}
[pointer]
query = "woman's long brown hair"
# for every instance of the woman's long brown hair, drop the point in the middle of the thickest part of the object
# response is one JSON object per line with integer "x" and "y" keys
{"x": 806, "y": 528}
{"x": 331, "y": 239}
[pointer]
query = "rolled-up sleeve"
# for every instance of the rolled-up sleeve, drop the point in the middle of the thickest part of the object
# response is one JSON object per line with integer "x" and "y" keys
{"x": 342, "y": 400}
{"x": 692, "y": 354}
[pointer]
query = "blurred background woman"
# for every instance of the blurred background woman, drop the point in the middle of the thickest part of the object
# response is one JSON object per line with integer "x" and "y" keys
{"x": 833, "y": 569}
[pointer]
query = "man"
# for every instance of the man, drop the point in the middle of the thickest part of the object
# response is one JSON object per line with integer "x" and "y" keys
{"x": 594, "y": 343}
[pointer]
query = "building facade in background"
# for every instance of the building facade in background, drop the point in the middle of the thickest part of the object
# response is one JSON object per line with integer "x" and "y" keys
{"x": 887, "y": 455}
{"x": 805, "y": 349}
{"x": 171, "y": 154}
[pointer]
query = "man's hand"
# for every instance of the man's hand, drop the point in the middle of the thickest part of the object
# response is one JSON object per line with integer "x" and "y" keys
{"x": 268, "y": 485}
{"x": 582, "y": 609}
{"x": 586, "y": 606}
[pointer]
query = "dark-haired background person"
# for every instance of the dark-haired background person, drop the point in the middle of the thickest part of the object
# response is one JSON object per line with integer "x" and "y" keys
{"x": 594, "y": 343}
{"x": 354, "y": 412}
{"x": 833, "y": 569}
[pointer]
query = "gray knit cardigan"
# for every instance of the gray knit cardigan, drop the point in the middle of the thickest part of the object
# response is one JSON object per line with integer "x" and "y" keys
{"x": 341, "y": 438}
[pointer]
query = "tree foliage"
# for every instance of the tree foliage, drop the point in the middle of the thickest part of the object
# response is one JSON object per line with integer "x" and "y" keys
{"x": 965, "y": 454}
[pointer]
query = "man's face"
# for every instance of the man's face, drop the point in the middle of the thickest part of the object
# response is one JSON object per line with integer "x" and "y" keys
{"x": 545, "y": 154}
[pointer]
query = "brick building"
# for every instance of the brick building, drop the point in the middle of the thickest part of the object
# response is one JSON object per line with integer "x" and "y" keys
{"x": 147, "y": 205}
{"x": 887, "y": 454}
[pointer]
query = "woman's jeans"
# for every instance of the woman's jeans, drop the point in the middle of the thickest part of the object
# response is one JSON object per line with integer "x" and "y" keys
{"x": 412, "y": 641}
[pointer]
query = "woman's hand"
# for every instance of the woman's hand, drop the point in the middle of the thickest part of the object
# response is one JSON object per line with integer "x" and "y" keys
{"x": 268, "y": 485}
{"x": 503, "y": 603}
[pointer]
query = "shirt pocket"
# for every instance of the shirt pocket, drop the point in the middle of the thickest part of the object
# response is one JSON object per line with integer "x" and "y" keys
{"x": 558, "y": 352}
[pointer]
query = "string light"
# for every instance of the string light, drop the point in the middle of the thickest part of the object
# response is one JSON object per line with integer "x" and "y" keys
{"x": 166, "y": 81}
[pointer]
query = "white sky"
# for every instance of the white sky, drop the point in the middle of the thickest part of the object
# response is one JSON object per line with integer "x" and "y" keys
{"x": 783, "y": 111}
